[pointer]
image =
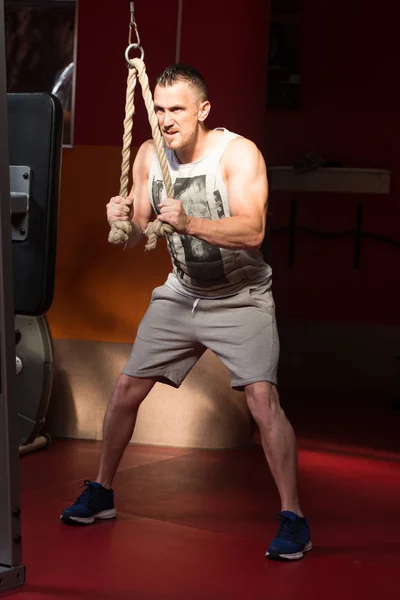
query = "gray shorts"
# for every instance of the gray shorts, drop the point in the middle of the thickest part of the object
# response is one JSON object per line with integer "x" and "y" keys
{"x": 175, "y": 331}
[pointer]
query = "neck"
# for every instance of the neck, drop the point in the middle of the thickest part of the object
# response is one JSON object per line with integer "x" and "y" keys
{"x": 197, "y": 148}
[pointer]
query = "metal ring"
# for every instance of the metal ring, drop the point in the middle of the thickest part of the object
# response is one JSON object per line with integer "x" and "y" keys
{"x": 135, "y": 47}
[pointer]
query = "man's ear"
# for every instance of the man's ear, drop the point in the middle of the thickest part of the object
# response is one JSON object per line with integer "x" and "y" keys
{"x": 204, "y": 111}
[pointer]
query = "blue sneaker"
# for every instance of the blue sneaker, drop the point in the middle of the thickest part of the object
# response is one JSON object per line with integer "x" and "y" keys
{"x": 292, "y": 540}
{"x": 96, "y": 502}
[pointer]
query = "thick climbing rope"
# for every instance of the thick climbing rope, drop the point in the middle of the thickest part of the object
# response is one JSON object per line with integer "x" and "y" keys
{"x": 121, "y": 230}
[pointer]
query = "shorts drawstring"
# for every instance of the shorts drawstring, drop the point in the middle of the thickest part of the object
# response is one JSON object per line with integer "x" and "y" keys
{"x": 195, "y": 303}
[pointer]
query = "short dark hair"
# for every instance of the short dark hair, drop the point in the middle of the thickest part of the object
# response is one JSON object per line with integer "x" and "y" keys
{"x": 182, "y": 72}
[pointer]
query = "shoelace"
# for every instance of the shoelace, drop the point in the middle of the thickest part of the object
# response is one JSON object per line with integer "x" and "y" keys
{"x": 289, "y": 530}
{"x": 87, "y": 493}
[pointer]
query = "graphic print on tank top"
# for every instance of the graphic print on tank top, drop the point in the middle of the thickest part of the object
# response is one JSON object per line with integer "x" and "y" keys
{"x": 202, "y": 260}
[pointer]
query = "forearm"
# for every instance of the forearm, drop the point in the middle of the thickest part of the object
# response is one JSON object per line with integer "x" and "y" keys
{"x": 233, "y": 233}
{"x": 136, "y": 235}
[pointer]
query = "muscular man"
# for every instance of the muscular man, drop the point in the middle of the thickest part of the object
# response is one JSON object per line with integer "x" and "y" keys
{"x": 218, "y": 295}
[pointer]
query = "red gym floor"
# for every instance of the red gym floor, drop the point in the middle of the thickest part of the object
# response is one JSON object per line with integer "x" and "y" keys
{"x": 195, "y": 524}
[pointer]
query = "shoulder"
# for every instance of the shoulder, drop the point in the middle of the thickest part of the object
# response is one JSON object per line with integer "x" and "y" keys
{"x": 242, "y": 154}
{"x": 241, "y": 144}
{"x": 145, "y": 153}
{"x": 143, "y": 159}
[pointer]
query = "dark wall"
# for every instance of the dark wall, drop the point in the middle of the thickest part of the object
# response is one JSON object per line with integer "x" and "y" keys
{"x": 101, "y": 67}
{"x": 228, "y": 43}
{"x": 349, "y": 113}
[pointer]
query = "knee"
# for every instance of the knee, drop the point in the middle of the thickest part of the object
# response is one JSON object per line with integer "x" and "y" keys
{"x": 263, "y": 402}
{"x": 128, "y": 394}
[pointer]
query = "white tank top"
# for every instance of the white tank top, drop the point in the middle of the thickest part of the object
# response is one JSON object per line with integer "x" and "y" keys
{"x": 200, "y": 269}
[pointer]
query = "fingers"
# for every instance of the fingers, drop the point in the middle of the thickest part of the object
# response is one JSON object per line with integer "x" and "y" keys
{"x": 165, "y": 218}
{"x": 119, "y": 209}
{"x": 179, "y": 223}
{"x": 170, "y": 206}
{"x": 167, "y": 209}
{"x": 168, "y": 202}
{"x": 120, "y": 200}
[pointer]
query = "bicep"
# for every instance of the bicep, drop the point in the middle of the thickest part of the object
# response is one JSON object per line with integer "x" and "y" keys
{"x": 142, "y": 210}
{"x": 248, "y": 184}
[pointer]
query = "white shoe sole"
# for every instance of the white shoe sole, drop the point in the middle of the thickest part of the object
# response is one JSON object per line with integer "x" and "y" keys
{"x": 104, "y": 514}
{"x": 294, "y": 556}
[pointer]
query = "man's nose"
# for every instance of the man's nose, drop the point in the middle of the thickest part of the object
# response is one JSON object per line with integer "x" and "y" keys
{"x": 168, "y": 120}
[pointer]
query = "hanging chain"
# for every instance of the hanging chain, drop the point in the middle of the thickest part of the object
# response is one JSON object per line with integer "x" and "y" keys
{"x": 133, "y": 45}
{"x": 133, "y": 26}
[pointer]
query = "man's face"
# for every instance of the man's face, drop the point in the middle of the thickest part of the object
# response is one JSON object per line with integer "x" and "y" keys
{"x": 178, "y": 108}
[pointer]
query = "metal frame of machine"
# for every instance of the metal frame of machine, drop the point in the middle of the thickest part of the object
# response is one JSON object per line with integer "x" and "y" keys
{"x": 12, "y": 572}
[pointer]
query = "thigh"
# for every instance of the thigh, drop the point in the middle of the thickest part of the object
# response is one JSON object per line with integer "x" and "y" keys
{"x": 167, "y": 319}
{"x": 242, "y": 331}
{"x": 165, "y": 345}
